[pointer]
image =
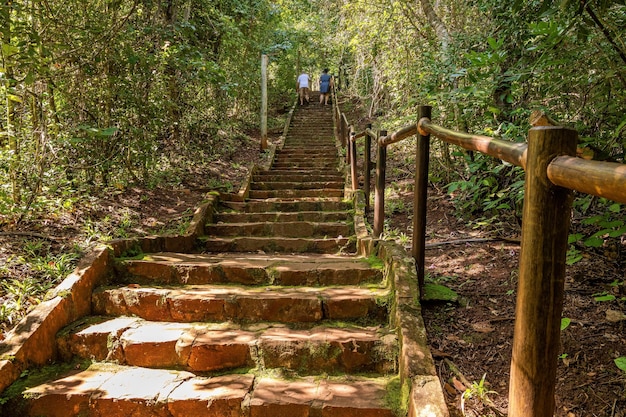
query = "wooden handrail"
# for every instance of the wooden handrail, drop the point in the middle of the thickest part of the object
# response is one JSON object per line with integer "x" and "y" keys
{"x": 367, "y": 132}
{"x": 512, "y": 152}
{"x": 602, "y": 179}
{"x": 398, "y": 135}
{"x": 358, "y": 135}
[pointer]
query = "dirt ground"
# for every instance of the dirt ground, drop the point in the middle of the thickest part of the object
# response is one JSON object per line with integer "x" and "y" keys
{"x": 471, "y": 339}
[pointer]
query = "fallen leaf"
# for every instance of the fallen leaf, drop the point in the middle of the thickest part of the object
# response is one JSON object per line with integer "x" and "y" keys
{"x": 439, "y": 354}
{"x": 458, "y": 385}
{"x": 450, "y": 389}
{"x": 483, "y": 327}
{"x": 614, "y": 316}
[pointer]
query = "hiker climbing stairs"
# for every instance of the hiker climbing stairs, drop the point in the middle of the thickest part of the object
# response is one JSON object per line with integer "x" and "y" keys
{"x": 272, "y": 315}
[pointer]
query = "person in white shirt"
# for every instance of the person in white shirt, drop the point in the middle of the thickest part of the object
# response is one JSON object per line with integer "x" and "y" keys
{"x": 302, "y": 86}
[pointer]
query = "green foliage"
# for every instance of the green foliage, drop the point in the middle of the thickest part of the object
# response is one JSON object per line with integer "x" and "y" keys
{"x": 43, "y": 271}
{"x": 599, "y": 225}
{"x": 621, "y": 363}
{"x": 119, "y": 93}
{"x": 491, "y": 193}
{"x": 478, "y": 390}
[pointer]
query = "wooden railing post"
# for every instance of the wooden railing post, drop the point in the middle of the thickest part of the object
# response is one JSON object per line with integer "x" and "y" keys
{"x": 353, "y": 161}
{"x": 545, "y": 226}
{"x": 367, "y": 167}
{"x": 420, "y": 197}
{"x": 346, "y": 138}
{"x": 379, "y": 196}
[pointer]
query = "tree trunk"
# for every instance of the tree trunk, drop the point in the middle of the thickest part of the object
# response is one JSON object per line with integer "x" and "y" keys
{"x": 9, "y": 85}
{"x": 440, "y": 29}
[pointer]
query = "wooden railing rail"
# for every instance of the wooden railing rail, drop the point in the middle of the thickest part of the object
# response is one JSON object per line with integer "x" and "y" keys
{"x": 552, "y": 174}
{"x": 511, "y": 152}
{"x": 602, "y": 179}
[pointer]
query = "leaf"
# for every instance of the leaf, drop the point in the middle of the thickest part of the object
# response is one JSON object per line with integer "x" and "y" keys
{"x": 8, "y": 49}
{"x": 494, "y": 44}
{"x": 565, "y": 322}
{"x": 594, "y": 242}
{"x": 615, "y": 208}
{"x": 574, "y": 237}
{"x": 108, "y": 132}
{"x": 605, "y": 297}
{"x": 621, "y": 363}
{"x": 483, "y": 327}
{"x": 15, "y": 98}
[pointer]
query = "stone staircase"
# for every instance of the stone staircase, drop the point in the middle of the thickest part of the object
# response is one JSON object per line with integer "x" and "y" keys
{"x": 270, "y": 314}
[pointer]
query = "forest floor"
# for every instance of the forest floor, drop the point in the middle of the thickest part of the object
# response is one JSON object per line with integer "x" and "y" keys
{"x": 470, "y": 338}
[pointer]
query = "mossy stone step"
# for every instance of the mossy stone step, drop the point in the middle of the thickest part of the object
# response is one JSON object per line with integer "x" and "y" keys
{"x": 287, "y": 194}
{"x": 327, "y": 245}
{"x": 295, "y": 177}
{"x": 250, "y": 269}
{"x": 318, "y": 165}
{"x": 318, "y": 148}
{"x": 121, "y": 391}
{"x": 296, "y": 185}
{"x": 310, "y": 216}
{"x": 200, "y": 347}
{"x": 301, "y": 175}
{"x": 279, "y": 229}
{"x": 262, "y": 206}
{"x": 203, "y": 303}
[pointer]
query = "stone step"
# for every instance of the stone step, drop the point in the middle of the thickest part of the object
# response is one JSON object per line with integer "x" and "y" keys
{"x": 301, "y": 145}
{"x": 201, "y": 347}
{"x": 304, "y": 174}
{"x": 287, "y": 194}
{"x": 288, "y": 185}
{"x": 249, "y": 269}
{"x": 303, "y": 160}
{"x": 329, "y": 245}
{"x": 279, "y": 229}
{"x": 204, "y": 303}
{"x": 298, "y": 177}
{"x": 121, "y": 391}
{"x": 324, "y": 150}
{"x": 310, "y": 216}
{"x": 322, "y": 165}
{"x": 261, "y": 206}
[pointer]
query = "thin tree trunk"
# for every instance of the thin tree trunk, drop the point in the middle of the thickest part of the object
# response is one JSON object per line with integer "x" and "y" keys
{"x": 440, "y": 29}
{"x": 605, "y": 31}
{"x": 12, "y": 140}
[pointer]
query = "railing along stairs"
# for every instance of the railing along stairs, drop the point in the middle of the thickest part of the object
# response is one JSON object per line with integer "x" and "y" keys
{"x": 553, "y": 172}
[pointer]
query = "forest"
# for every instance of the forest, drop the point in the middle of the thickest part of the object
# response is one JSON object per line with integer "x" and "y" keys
{"x": 104, "y": 100}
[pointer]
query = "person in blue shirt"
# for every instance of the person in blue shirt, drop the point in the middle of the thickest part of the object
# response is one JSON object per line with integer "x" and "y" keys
{"x": 326, "y": 82}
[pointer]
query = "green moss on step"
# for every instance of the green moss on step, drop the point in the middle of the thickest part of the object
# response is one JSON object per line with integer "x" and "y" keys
{"x": 397, "y": 396}
{"x": 11, "y": 397}
{"x": 375, "y": 262}
{"x": 133, "y": 253}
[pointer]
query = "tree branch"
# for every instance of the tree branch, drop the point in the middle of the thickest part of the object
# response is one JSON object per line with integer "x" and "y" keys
{"x": 607, "y": 33}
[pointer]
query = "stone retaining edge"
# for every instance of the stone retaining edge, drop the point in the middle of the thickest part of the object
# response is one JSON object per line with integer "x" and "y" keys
{"x": 32, "y": 341}
{"x": 416, "y": 363}
{"x": 417, "y": 367}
